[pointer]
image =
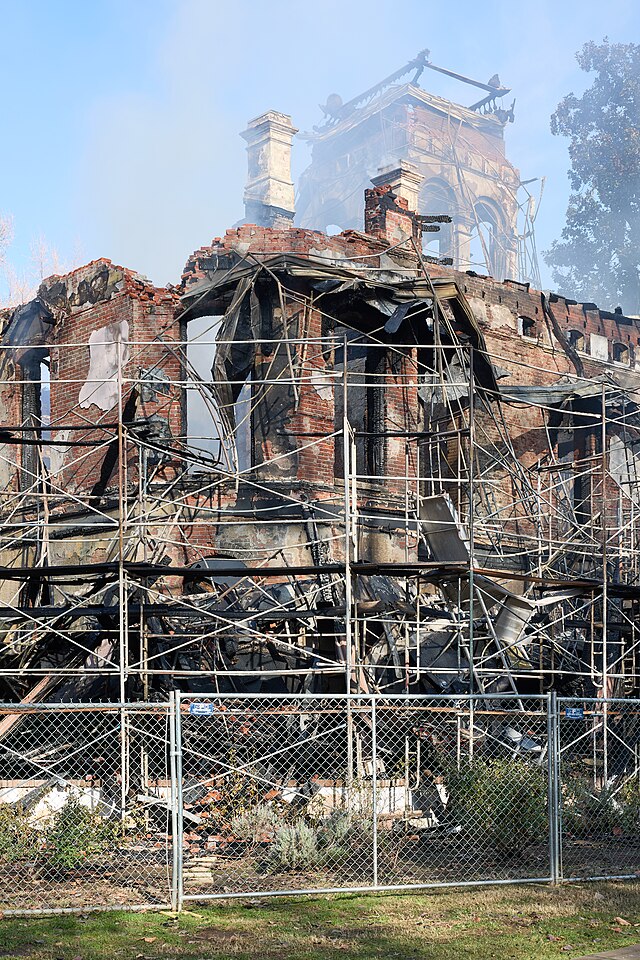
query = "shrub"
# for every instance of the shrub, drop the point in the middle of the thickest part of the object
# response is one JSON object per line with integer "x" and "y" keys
{"x": 304, "y": 846}
{"x": 344, "y": 835}
{"x": 629, "y": 798}
{"x": 18, "y": 839}
{"x": 253, "y": 825}
{"x": 77, "y": 833}
{"x": 499, "y": 802}
{"x": 588, "y": 812}
{"x": 296, "y": 846}
{"x": 338, "y": 828}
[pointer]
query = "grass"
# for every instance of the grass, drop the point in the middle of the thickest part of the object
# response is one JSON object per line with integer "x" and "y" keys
{"x": 500, "y": 922}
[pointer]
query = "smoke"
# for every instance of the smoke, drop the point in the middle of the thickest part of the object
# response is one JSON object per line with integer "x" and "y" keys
{"x": 164, "y": 172}
{"x": 163, "y": 167}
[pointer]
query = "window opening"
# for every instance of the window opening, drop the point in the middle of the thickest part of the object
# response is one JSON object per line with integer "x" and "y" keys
{"x": 205, "y": 433}
{"x": 621, "y": 353}
{"x": 527, "y": 327}
{"x": 437, "y": 198}
{"x": 366, "y": 405}
{"x": 486, "y": 243}
{"x": 576, "y": 339}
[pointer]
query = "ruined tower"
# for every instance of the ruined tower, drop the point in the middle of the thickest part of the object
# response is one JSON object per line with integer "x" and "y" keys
{"x": 456, "y": 155}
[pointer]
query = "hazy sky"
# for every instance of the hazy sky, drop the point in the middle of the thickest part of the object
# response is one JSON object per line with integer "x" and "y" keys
{"x": 120, "y": 119}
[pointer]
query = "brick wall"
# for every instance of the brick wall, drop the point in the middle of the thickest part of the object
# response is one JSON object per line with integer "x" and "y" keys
{"x": 533, "y": 340}
{"x": 104, "y": 302}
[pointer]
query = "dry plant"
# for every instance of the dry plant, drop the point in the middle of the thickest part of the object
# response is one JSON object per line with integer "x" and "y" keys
{"x": 21, "y": 284}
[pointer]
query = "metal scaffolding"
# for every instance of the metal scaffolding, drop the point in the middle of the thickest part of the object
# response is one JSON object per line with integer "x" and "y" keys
{"x": 370, "y": 501}
{"x": 373, "y": 568}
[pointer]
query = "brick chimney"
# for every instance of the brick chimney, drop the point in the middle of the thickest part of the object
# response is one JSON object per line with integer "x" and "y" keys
{"x": 389, "y": 209}
{"x": 405, "y": 181}
{"x": 269, "y": 195}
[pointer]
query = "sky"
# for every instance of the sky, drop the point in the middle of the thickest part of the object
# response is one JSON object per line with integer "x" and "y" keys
{"x": 121, "y": 118}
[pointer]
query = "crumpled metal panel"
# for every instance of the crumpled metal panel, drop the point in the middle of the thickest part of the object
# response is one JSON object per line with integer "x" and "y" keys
{"x": 513, "y": 618}
{"x": 444, "y": 533}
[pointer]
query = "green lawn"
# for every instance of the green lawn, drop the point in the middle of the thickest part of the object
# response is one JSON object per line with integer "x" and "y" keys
{"x": 499, "y": 922}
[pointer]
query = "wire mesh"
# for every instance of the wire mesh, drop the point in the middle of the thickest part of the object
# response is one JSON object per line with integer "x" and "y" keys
{"x": 277, "y": 794}
{"x": 599, "y": 769}
{"x": 143, "y": 805}
{"x": 324, "y": 793}
{"x": 84, "y": 806}
{"x": 470, "y": 780}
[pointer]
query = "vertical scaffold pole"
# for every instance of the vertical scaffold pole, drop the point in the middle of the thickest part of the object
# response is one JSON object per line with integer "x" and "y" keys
{"x": 122, "y": 619}
{"x": 471, "y": 555}
{"x": 348, "y": 588}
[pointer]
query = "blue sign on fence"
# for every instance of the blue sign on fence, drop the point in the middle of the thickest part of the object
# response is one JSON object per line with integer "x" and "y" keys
{"x": 574, "y": 713}
{"x": 202, "y": 709}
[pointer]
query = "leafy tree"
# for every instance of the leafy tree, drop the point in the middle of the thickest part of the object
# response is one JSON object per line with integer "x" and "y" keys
{"x": 598, "y": 257}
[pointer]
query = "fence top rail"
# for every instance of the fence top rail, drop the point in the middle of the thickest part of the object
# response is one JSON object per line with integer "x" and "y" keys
{"x": 630, "y": 701}
{"x": 403, "y": 697}
{"x": 160, "y": 706}
{"x": 378, "y": 697}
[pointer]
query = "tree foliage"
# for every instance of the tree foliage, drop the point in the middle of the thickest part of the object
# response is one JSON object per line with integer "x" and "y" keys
{"x": 598, "y": 255}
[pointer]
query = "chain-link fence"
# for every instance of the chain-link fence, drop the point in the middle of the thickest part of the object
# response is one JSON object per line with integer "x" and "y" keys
{"x": 85, "y": 800}
{"x": 325, "y": 793}
{"x": 599, "y": 788}
{"x": 203, "y": 797}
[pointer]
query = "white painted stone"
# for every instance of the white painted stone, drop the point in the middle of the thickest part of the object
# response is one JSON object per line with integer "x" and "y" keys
{"x": 599, "y": 347}
{"x": 321, "y": 381}
{"x": 269, "y": 140}
{"x": 101, "y": 386}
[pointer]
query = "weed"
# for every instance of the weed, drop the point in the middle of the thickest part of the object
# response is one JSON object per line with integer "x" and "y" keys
{"x": 76, "y": 834}
{"x": 18, "y": 839}
{"x": 499, "y": 802}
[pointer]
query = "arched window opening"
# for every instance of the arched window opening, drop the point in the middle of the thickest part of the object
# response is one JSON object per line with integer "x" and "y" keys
{"x": 487, "y": 240}
{"x": 576, "y": 339}
{"x": 36, "y": 413}
{"x": 621, "y": 353}
{"x": 205, "y": 432}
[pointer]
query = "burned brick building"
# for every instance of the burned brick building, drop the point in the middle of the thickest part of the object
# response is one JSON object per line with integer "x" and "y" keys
{"x": 392, "y": 476}
{"x": 132, "y": 557}
{"x": 320, "y": 567}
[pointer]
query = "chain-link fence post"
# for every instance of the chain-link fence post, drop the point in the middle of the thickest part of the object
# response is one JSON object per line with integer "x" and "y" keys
{"x": 173, "y": 799}
{"x": 553, "y": 766}
{"x": 374, "y": 788}
{"x": 178, "y": 835}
